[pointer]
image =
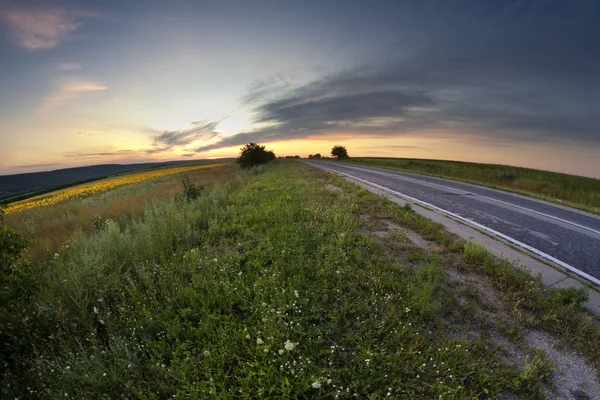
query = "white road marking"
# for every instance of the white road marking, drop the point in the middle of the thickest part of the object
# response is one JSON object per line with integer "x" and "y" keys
{"x": 478, "y": 225}
{"x": 497, "y": 201}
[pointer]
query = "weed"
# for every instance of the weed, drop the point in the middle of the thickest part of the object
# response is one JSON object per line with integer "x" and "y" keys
{"x": 190, "y": 191}
{"x": 477, "y": 253}
{"x": 571, "y": 296}
{"x": 407, "y": 207}
{"x": 537, "y": 369}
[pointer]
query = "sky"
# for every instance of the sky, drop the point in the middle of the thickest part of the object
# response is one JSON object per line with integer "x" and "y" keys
{"x": 513, "y": 82}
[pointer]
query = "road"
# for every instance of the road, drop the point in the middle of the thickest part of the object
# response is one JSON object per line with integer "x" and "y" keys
{"x": 569, "y": 238}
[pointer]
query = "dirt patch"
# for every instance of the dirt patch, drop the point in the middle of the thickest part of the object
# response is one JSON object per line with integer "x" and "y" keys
{"x": 489, "y": 295}
{"x": 413, "y": 236}
{"x": 333, "y": 187}
{"x": 573, "y": 377}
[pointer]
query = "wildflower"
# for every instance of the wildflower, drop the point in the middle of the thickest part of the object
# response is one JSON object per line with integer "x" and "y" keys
{"x": 248, "y": 337}
{"x": 368, "y": 360}
{"x": 316, "y": 384}
{"x": 95, "y": 310}
{"x": 289, "y": 346}
{"x": 281, "y": 351}
{"x": 104, "y": 374}
{"x": 296, "y": 293}
{"x": 259, "y": 341}
{"x": 206, "y": 353}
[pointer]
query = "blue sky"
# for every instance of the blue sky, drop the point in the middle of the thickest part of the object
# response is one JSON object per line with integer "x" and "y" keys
{"x": 513, "y": 82}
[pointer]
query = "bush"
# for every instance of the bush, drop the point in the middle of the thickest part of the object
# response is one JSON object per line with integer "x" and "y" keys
{"x": 253, "y": 154}
{"x": 190, "y": 191}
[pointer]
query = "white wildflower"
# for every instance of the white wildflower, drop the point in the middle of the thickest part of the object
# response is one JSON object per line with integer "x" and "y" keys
{"x": 259, "y": 341}
{"x": 316, "y": 384}
{"x": 289, "y": 346}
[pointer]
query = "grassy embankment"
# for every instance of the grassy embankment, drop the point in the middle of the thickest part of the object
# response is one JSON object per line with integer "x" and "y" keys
{"x": 51, "y": 219}
{"x": 272, "y": 285}
{"x": 574, "y": 191}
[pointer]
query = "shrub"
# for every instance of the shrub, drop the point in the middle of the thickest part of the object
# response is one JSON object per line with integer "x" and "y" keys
{"x": 190, "y": 191}
{"x": 509, "y": 174}
{"x": 253, "y": 154}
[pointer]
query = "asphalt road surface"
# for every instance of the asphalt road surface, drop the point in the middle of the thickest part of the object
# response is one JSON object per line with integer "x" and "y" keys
{"x": 567, "y": 237}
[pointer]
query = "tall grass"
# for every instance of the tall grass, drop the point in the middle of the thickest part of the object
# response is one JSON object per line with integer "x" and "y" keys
{"x": 575, "y": 191}
{"x": 50, "y": 227}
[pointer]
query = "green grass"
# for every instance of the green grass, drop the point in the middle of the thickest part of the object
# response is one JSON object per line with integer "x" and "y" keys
{"x": 574, "y": 191}
{"x": 266, "y": 286}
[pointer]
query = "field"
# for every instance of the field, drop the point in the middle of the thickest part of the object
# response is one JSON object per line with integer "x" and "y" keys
{"x": 570, "y": 190}
{"x": 89, "y": 189}
{"x": 285, "y": 281}
{"x": 86, "y": 207}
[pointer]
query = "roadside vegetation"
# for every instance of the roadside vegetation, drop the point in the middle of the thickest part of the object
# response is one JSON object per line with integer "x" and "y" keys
{"x": 51, "y": 226}
{"x": 283, "y": 281}
{"x": 570, "y": 190}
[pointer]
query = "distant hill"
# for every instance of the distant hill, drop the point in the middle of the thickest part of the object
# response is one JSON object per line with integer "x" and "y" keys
{"x": 12, "y": 186}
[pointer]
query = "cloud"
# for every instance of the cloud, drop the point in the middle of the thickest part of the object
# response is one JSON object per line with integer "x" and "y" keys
{"x": 41, "y": 29}
{"x": 83, "y": 134}
{"x": 501, "y": 80}
{"x": 102, "y": 154}
{"x": 198, "y": 131}
{"x": 396, "y": 147}
{"x": 45, "y": 165}
{"x": 69, "y": 90}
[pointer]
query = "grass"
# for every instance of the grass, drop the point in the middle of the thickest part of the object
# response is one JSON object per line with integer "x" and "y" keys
{"x": 50, "y": 227}
{"x": 268, "y": 285}
{"x": 570, "y": 190}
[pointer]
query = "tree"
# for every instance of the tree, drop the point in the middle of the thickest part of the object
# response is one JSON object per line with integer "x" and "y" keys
{"x": 318, "y": 155}
{"x": 253, "y": 154}
{"x": 339, "y": 152}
